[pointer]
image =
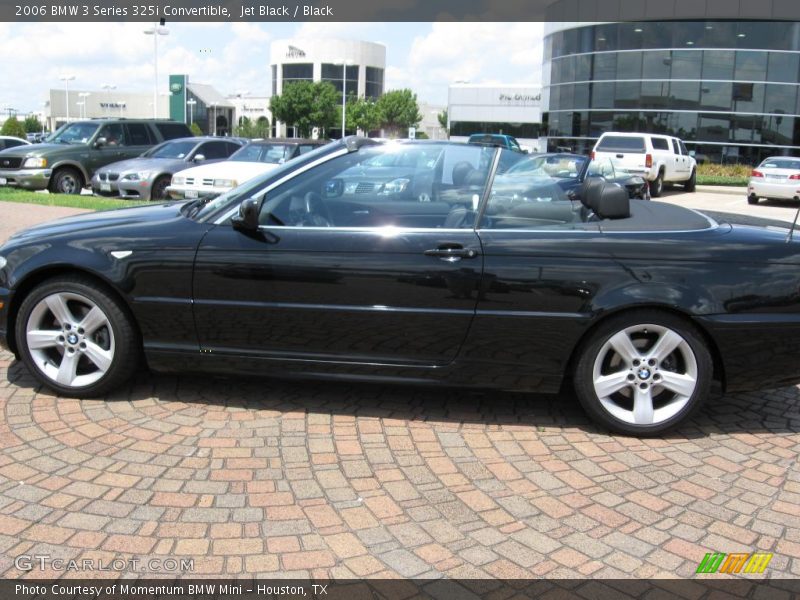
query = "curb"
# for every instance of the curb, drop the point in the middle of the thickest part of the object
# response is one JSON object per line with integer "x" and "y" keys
{"x": 723, "y": 189}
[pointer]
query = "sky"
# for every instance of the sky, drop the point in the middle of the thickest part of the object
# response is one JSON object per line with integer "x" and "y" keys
{"x": 234, "y": 57}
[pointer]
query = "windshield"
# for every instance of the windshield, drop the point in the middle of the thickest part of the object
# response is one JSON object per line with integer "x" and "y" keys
{"x": 560, "y": 167}
{"x": 172, "y": 150}
{"x": 417, "y": 157}
{"x": 73, "y": 133}
{"x": 265, "y": 153}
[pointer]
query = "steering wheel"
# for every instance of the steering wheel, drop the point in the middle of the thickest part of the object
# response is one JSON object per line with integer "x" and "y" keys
{"x": 317, "y": 213}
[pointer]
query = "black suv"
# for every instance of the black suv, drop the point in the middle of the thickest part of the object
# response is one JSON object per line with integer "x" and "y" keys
{"x": 65, "y": 162}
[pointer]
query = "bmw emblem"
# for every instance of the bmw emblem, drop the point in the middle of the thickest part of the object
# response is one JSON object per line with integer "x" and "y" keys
{"x": 644, "y": 373}
{"x": 72, "y": 338}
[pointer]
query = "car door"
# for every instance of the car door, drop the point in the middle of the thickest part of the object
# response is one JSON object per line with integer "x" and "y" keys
{"x": 111, "y": 151}
{"x": 372, "y": 277}
{"x": 681, "y": 170}
{"x": 214, "y": 151}
{"x": 138, "y": 140}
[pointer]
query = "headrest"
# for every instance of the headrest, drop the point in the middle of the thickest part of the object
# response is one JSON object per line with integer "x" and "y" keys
{"x": 461, "y": 171}
{"x": 613, "y": 202}
{"x": 590, "y": 192}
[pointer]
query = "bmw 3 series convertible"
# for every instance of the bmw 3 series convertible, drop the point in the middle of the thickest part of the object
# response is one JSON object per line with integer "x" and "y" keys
{"x": 448, "y": 272}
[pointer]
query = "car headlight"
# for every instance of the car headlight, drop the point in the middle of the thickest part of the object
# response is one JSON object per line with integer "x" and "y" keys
{"x": 226, "y": 183}
{"x": 178, "y": 180}
{"x": 34, "y": 162}
{"x": 138, "y": 176}
{"x": 3, "y": 262}
{"x": 395, "y": 186}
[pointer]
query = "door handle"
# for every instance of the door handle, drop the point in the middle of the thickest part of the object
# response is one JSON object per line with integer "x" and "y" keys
{"x": 451, "y": 254}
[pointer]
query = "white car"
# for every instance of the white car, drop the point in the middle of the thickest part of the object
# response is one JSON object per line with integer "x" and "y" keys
{"x": 659, "y": 159}
{"x": 9, "y": 141}
{"x": 775, "y": 178}
{"x": 211, "y": 180}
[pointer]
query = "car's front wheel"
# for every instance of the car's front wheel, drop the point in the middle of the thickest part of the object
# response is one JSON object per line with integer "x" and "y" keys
{"x": 66, "y": 181}
{"x": 159, "y": 189}
{"x": 76, "y": 337}
{"x": 752, "y": 199}
{"x": 643, "y": 372}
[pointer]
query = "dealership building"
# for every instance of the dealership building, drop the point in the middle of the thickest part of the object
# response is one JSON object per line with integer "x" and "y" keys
{"x": 360, "y": 66}
{"x": 63, "y": 105}
{"x": 729, "y": 89}
{"x": 514, "y": 109}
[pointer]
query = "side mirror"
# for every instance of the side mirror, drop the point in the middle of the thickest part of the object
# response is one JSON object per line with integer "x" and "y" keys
{"x": 247, "y": 219}
{"x": 692, "y": 153}
{"x": 199, "y": 157}
{"x": 100, "y": 142}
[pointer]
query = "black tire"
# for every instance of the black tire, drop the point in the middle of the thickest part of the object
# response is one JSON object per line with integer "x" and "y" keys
{"x": 657, "y": 187}
{"x": 598, "y": 348}
{"x": 691, "y": 184}
{"x": 122, "y": 338}
{"x": 66, "y": 180}
{"x": 158, "y": 192}
{"x": 752, "y": 199}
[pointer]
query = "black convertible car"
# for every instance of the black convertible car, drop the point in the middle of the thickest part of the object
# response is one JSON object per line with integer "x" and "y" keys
{"x": 479, "y": 279}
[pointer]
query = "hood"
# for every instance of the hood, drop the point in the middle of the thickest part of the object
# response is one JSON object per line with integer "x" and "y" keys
{"x": 228, "y": 169}
{"x": 44, "y": 149}
{"x": 144, "y": 164}
{"x": 92, "y": 221}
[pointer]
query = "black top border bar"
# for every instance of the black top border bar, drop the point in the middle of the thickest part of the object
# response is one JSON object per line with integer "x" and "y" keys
{"x": 395, "y": 10}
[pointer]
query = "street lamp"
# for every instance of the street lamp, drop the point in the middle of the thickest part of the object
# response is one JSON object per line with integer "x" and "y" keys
{"x": 66, "y": 79}
{"x": 80, "y": 105}
{"x": 108, "y": 87}
{"x": 191, "y": 104}
{"x": 155, "y": 31}
{"x": 83, "y": 96}
{"x": 345, "y": 64}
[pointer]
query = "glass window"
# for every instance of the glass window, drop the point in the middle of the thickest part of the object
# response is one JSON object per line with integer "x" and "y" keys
{"x": 605, "y": 66}
{"x": 683, "y": 125}
{"x": 656, "y": 64}
{"x": 138, "y": 134}
{"x": 687, "y": 34}
{"x": 748, "y": 97}
{"x": 684, "y": 151}
{"x": 780, "y": 99}
{"x": 718, "y": 64}
{"x": 374, "y": 82}
{"x": 782, "y": 66}
{"x": 602, "y": 167}
{"x": 750, "y": 66}
{"x": 565, "y": 97}
{"x": 628, "y": 121}
{"x": 274, "y": 70}
{"x": 528, "y": 197}
{"x": 630, "y": 36}
{"x": 600, "y": 122}
{"x": 686, "y": 64}
{"x": 170, "y": 131}
{"x": 518, "y": 130}
{"x": 660, "y": 143}
{"x": 742, "y": 127}
{"x": 333, "y": 75}
{"x": 580, "y": 97}
{"x": 603, "y": 95}
{"x": 654, "y": 94}
{"x": 297, "y": 72}
{"x": 675, "y": 148}
{"x": 583, "y": 67}
{"x": 393, "y": 185}
{"x": 176, "y": 149}
{"x": 214, "y": 150}
{"x": 605, "y": 37}
{"x": 684, "y": 94}
{"x": 656, "y": 35}
{"x": 628, "y": 94}
{"x": 629, "y": 65}
{"x": 566, "y": 69}
{"x": 114, "y": 134}
{"x": 715, "y": 95}
{"x": 777, "y": 129}
{"x": 73, "y": 133}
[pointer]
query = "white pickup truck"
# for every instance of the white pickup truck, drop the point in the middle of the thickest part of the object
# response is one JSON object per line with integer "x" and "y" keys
{"x": 658, "y": 158}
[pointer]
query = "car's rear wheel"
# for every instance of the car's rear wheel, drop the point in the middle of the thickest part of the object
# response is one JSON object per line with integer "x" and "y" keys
{"x": 752, "y": 199}
{"x": 691, "y": 184}
{"x": 76, "y": 337}
{"x": 658, "y": 185}
{"x": 66, "y": 181}
{"x": 159, "y": 189}
{"x": 643, "y": 372}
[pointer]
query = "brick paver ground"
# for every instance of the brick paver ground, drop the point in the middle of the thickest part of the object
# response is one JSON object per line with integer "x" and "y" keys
{"x": 267, "y": 477}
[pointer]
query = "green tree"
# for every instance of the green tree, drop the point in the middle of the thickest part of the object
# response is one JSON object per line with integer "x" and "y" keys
{"x": 196, "y": 129}
{"x": 442, "y": 117}
{"x": 363, "y": 113}
{"x": 399, "y": 111}
{"x": 32, "y": 124}
{"x": 306, "y": 105}
{"x": 13, "y": 127}
{"x": 248, "y": 128}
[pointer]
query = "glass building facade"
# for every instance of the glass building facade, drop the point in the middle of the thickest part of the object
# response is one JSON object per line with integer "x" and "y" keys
{"x": 729, "y": 89}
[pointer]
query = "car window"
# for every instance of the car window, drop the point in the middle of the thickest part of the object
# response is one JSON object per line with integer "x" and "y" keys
{"x": 621, "y": 143}
{"x": 171, "y": 131}
{"x": 231, "y": 147}
{"x": 675, "y": 147}
{"x": 13, "y": 143}
{"x": 177, "y": 149}
{"x": 266, "y": 153}
{"x": 684, "y": 151}
{"x": 780, "y": 163}
{"x": 73, "y": 133}
{"x": 529, "y": 199}
{"x": 138, "y": 134}
{"x": 214, "y": 150}
{"x": 114, "y": 134}
{"x": 306, "y": 148}
{"x": 601, "y": 168}
{"x": 660, "y": 143}
{"x": 358, "y": 190}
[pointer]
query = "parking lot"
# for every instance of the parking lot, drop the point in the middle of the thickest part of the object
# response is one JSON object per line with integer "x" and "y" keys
{"x": 274, "y": 478}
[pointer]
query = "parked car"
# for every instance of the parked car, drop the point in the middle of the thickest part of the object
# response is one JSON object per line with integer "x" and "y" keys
{"x": 658, "y": 158}
{"x": 147, "y": 177}
{"x": 638, "y": 306}
{"x": 9, "y": 141}
{"x": 35, "y": 138}
{"x": 66, "y": 161}
{"x": 776, "y": 178}
{"x": 572, "y": 170}
{"x": 209, "y": 181}
{"x": 496, "y": 139}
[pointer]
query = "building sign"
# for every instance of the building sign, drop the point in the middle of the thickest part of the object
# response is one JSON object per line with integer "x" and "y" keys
{"x": 176, "y": 87}
{"x": 520, "y": 97}
{"x": 294, "y": 52}
{"x": 113, "y": 105}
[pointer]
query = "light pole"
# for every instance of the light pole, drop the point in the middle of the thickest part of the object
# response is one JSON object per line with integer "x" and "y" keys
{"x": 83, "y": 96}
{"x": 345, "y": 64}
{"x": 191, "y": 104}
{"x": 108, "y": 87}
{"x": 66, "y": 79}
{"x": 155, "y": 31}
{"x": 80, "y": 105}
